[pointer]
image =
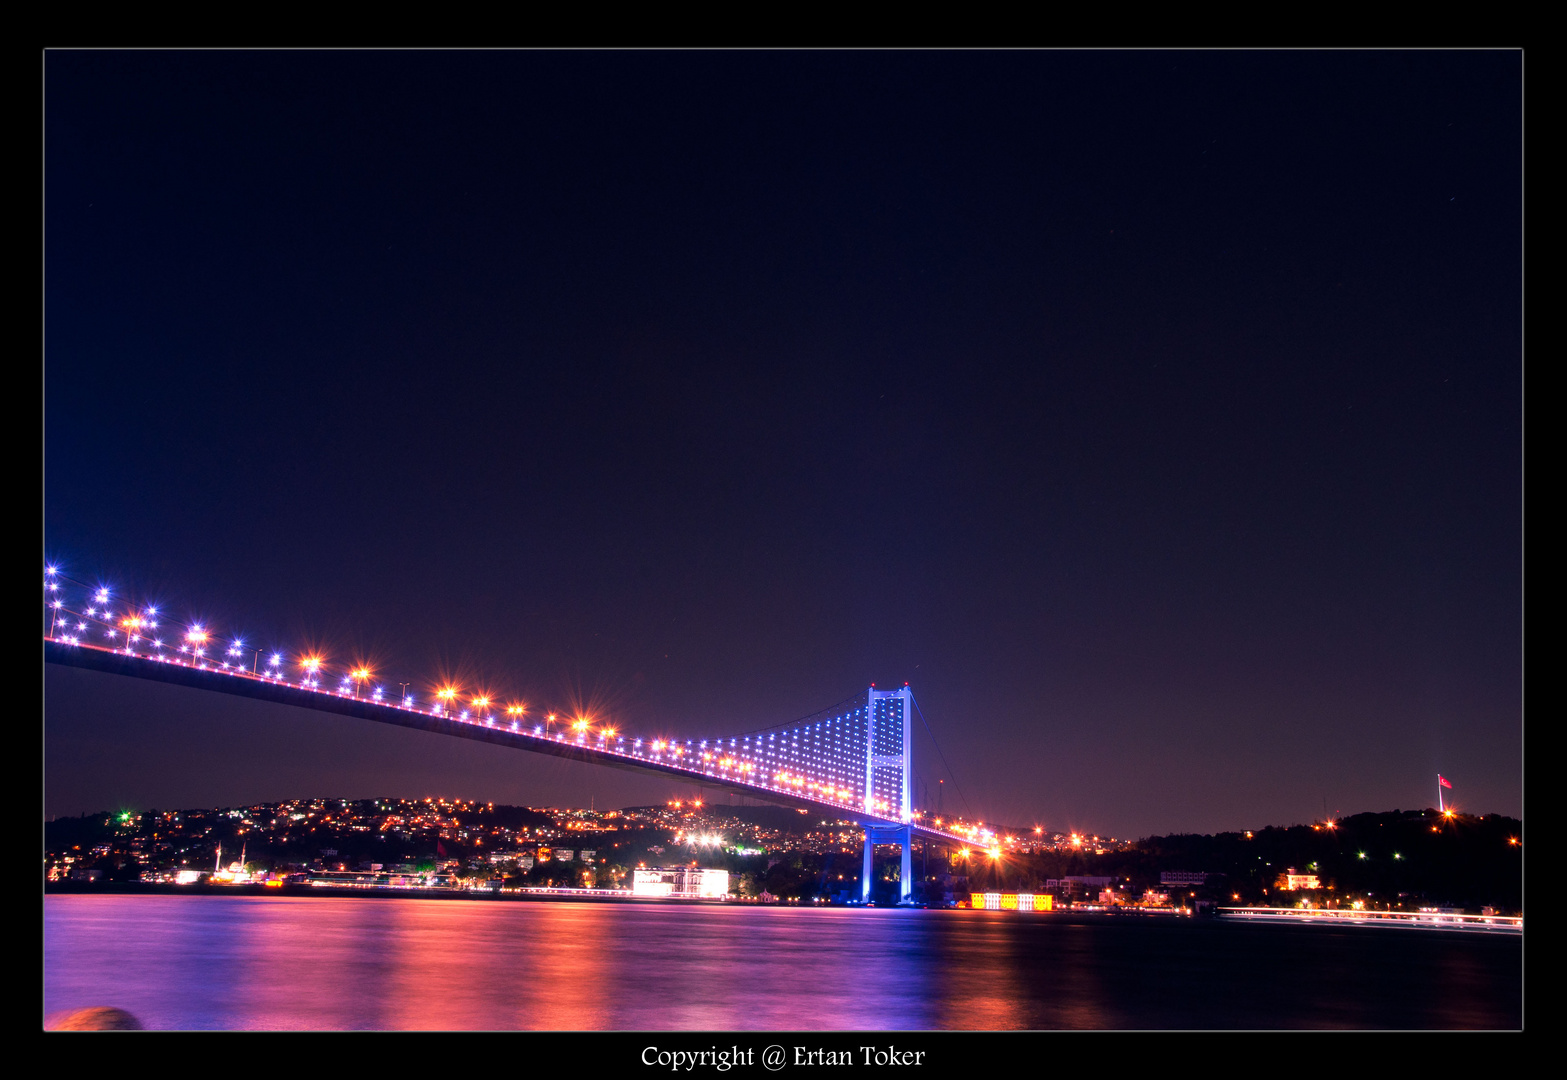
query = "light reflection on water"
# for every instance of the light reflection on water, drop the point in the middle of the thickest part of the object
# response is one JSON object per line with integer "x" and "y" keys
{"x": 400, "y": 964}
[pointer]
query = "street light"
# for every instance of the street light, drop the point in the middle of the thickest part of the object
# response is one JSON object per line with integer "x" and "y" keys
{"x": 131, "y": 623}
{"x": 197, "y": 638}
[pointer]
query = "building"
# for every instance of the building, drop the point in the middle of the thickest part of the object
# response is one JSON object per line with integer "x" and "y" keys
{"x": 997, "y": 901}
{"x": 1079, "y": 885}
{"x": 1289, "y": 881}
{"x": 681, "y": 883}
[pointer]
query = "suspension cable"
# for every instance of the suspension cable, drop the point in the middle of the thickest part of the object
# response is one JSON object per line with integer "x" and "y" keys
{"x": 939, "y": 754}
{"x": 796, "y": 723}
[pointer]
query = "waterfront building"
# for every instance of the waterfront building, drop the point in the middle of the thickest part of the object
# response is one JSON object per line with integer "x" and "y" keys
{"x": 1289, "y": 881}
{"x": 680, "y": 883}
{"x": 998, "y": 901}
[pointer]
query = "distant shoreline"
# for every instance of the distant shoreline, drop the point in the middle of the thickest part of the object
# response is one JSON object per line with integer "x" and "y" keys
{"x": 1282, "y": 916}
{"x": 148, "y": 888}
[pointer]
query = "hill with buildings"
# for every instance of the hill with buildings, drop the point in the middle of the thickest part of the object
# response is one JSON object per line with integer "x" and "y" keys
{"x": 1394, "y": 860}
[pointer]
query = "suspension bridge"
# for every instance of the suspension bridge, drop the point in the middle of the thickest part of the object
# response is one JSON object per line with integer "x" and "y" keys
{"x": 852, "y": 761}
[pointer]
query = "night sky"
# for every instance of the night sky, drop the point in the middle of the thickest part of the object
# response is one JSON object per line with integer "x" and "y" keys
{"x": 1156, "y": 416}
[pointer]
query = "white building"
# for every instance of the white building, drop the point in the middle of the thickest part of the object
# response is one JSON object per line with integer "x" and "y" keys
{"x": 681, "y": 883}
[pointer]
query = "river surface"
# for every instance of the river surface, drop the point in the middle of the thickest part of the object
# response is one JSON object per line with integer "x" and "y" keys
{"x": 326, "y": 963}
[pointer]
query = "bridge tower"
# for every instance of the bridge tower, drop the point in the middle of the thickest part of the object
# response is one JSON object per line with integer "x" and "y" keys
{"x": 889, "y": 762}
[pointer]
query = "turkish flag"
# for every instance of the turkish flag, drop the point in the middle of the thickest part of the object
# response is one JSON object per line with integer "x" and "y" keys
{"x": 1442, "y": 780}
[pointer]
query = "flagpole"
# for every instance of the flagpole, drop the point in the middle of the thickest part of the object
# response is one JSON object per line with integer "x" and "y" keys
{"x": 1441, "y": 809}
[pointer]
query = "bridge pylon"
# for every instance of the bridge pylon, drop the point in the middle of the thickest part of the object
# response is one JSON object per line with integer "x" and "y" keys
{"x": 889, "y": 763}
{"x": 902, "y": 835}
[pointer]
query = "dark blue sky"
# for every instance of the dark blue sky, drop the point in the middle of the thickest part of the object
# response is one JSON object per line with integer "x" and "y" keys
{"x": 1157, "y": 416}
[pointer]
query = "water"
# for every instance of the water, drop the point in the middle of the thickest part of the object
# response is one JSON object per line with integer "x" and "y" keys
{"x": 326, "y": 963}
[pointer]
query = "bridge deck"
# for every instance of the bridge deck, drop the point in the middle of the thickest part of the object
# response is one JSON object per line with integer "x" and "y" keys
{"x": 502, "y": 733}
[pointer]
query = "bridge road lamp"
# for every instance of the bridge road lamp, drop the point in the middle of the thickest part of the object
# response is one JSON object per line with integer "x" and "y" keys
{"x": 196, "y": 639}
{"x": 149, "y": 621}
{"x": 52, "y": 586}
{"x": 131, "y": 624}
{"x": 360, "y": 674}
